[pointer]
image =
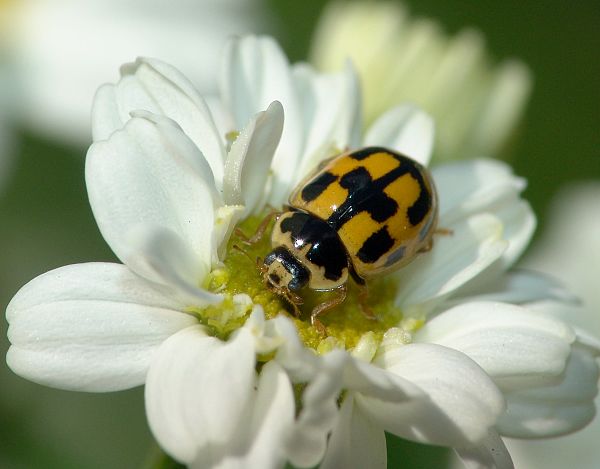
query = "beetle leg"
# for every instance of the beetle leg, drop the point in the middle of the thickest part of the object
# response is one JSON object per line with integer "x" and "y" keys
{"x": 363, "y": 295}
{"x": 438, "y": 231}
{"x": 240, "y": 249}
{"x": 427, "y": 247}
{"x": 296, "y": 309}
{"x": 260, "y": 231}
{"x": 292, "y": 299}
{"x": 327, "y": 305}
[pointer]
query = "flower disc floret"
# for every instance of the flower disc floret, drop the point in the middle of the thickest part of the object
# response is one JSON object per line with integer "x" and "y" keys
{"x": 345, "y": 325}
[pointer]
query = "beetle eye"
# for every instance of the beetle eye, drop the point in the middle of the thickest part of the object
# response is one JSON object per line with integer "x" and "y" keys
{"x": 274, "y": 278}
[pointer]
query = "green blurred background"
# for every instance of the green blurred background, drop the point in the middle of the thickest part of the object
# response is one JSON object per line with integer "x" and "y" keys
{"x": 45, "y": 220}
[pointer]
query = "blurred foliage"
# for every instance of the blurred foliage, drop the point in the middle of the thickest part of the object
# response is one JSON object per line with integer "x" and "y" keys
{"x": 45, "y": 220}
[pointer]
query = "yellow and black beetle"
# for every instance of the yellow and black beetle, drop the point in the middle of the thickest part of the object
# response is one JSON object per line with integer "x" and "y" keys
{"x": 360, "y": 214}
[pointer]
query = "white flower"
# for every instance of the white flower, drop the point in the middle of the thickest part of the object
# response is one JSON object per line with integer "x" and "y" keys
{"x": 476, "y": 105}
{"x": 570, "y": 249}
{"x": 186, "y": 317}
{"x": 57, "y": 51}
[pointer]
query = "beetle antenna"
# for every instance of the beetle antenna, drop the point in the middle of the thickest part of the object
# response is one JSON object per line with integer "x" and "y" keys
{"x": 260, "y": 230}
{"x": 239, "y": 249}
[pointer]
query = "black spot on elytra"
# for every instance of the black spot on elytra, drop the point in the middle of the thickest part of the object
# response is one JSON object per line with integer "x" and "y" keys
{"x": 421, "y": 207}
{"x": 317, "y": 186}
{"x": 367, "y": 195}
{"x": 375, "y": 246}
{"x": 366, "y": 152}
{"x": 326, "y": 249}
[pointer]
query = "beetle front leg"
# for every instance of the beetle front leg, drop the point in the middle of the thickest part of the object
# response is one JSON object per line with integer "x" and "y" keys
{"x": 342, "y": 292}
{"x": 438, "y": 231}
{"x": 363, "y": 295}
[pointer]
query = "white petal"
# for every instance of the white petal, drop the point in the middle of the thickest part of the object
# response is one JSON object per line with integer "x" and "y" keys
{"x": 249, "y": 159}
{"x": 473, "y": 186}
{"x": 491, "y": 453}
{"x": 356, "y": 441}
{"x": 375, "y": 382}
{"x": 308, "y": 439}
{"x": 335, "y": 371}
{"x": 272, "y": 418}
{"x": 180, "y": 145}
{"x": 516, "y": 347}
{"x": 226, "y": 218}
{"x": 256, "y": 73}
{"x": 519, "y": 224}
{"x": 268, "y": 428}
{"x": 223, "y": 119}
{"x": 199, "y": 392}
{"x": 106, "y": 115}
{"x": 89, "y": 327}
{"x": 162, "y": 257}
{"x": 550, "y": 453}
{"x": 406, "y": 129}
{"x": 587, "y": 341}
{"x": 266, "y": 340}
{"x": 555, "y": 409}
{"x": 317, "y": 418}
{"x": 141, "y": 175}
{"x": 152, "y": 85}
{"x": 480, "y": 186}
{"x": 455, "y": 259}
{"x": 503, "y": 106}
{"x": 516, "y": 286}
{"x": 299, "y": 361}
{"x": 463, "y": 403}
{"x": 331, "y": 111}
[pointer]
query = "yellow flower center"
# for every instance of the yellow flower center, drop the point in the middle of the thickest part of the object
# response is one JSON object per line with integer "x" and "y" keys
{"x": 346, "y": 325}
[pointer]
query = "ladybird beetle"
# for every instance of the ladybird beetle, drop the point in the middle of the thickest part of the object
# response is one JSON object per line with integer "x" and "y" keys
{"x": 359, "y": 214}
